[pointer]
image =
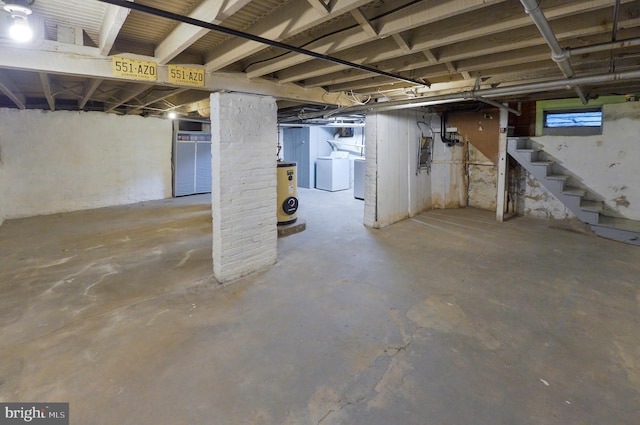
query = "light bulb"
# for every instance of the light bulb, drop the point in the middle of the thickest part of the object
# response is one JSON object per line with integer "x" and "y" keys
{"x": 20, "y": 30}
{"x": 172, "y": 115}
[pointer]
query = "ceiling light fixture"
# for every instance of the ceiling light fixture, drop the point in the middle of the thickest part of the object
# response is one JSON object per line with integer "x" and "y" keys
{"x": 172, "y": 115}
{"x": 20, "y": 30}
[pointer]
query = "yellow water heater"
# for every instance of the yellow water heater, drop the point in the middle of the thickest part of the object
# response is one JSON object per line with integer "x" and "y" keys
{"x": 287, "y": 193}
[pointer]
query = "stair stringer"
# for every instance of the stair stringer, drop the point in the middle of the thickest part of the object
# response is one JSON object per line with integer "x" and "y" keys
{"x": 546, "y": 171}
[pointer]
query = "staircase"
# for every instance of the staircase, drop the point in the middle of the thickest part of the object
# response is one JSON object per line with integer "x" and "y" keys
{"x": 556, "y": 180}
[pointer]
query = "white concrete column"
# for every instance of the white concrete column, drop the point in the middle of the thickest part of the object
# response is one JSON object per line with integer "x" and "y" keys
{"x": 243, "y": 194}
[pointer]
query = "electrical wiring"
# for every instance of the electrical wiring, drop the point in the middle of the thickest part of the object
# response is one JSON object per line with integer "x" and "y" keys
{"x": 352, "y": 97}
{"x": 382, "y": 15}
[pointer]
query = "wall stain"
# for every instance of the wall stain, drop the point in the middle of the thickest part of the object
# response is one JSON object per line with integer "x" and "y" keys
{"x": 613, "y": 164}
{"x": 599, "y": 143}
{"x": 621, "y": 201}
{"x": 618, "y": 189}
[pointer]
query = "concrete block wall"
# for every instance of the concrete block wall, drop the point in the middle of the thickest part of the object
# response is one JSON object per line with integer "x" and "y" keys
{"x": 62, "y": 161}
{"x": 244, "y": 138}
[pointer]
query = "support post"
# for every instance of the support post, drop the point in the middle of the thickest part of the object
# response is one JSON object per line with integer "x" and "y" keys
{"x": 501, "y": 201}
{"x": 243, "y": 193}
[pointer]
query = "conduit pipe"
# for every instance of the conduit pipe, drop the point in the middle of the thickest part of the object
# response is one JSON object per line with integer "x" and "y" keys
{"x": 558, "y": 54}
{"x": 484, "y": 93}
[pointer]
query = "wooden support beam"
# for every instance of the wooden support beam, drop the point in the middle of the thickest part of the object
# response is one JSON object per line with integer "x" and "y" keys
{"x": 155, "y": 99}
{"x": 402, "y": 43}
{"x": 213, "y": 11}
{"x": 112, "y": 23}
{"x": 501, "y": 200}
{"x": 320, "y": 6}
{"x": 89, "y": 88}
{"x": 46, "y": 88}
{"x": 130, "y": 92}
{"x": 364, "y": 23}
{"x": 297, "y": 17}
{"x": 430, "y": 56}
{"x": 83, "y": 61}
{"x": 10, "y": 89}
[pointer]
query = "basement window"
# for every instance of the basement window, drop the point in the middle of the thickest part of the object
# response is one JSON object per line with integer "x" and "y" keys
{"x": 573, "y": 122}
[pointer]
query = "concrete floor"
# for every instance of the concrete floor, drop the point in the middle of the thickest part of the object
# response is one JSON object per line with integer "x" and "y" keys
{"x": 448, "y": 318}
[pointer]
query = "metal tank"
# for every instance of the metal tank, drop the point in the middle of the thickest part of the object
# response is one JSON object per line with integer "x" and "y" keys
{"x": 287, "y": 193}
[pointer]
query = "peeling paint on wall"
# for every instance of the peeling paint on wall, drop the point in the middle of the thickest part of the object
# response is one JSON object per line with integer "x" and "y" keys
{"x": 532, "y": 198}
{"x": 605, "y": 165}
{"x": 621, "y": 201}
{"x": 483, "y": 186}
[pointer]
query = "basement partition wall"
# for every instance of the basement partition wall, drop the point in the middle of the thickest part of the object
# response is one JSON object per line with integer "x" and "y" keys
{"x": 394, "y": 187}
{"x": 61, "y": 161}
{"x": 479, "y": 133}
{"x": 461, "y": 174}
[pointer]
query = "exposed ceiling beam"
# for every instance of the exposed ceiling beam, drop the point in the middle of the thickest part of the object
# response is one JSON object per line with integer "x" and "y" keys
{"x": 364, "y": 23}
{"x": 410, "y": 17}
{"x": 438, "y": 34}
{"x": 508, "y": 43}
{"x": 256, "y": 39}
{"x": 130, "y": 92}
{"x": 112, "y": 22}
{"x": 90, "y": 87}
{"x": 429, "y": 55}
{"x": 320, "y": 6}
{"x": 74, "y": 62}
{"x": 10, "y": 89}
{"x": 213, "y": 11}
{"x": 452, "y": 69}
{"x": 297, "y": 17}
{"x": 46, "y": 88}
{"x": 157, "y": 98}
{"x": 401, "y": 42}
{"x": 528, "y": 37}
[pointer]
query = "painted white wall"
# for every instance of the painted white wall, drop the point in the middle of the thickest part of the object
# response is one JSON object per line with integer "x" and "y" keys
{"x": 607, "y": 165}
{"x": 393, "y": 190}
{"x": 449, "y": 186}
{"x": 63, "y": 161}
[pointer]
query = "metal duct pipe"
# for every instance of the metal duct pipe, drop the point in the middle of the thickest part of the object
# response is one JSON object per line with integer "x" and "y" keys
{"x": 558, "y": 54}
{"x": 603, "y": 46}
{"x": 494, "y": 92}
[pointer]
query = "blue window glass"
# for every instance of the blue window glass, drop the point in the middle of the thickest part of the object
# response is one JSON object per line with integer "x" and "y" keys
{"x": 573, "y": 119}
